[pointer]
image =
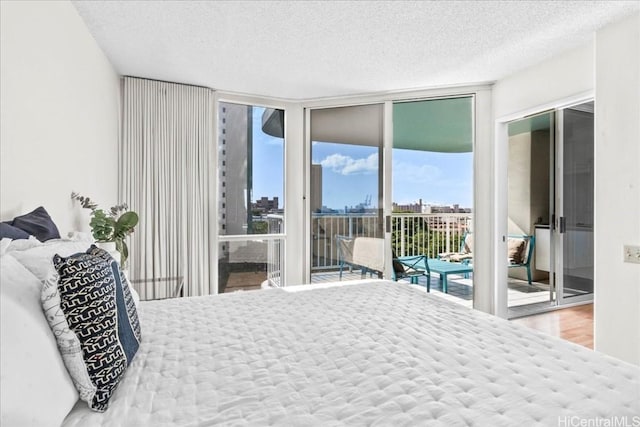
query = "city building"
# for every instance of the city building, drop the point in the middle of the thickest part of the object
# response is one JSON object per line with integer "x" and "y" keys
{"x": 265, "y": 205}
{"x": 432, "y": 209}
{"x": 234, "y": 154}
{"x": 412, "y": 207}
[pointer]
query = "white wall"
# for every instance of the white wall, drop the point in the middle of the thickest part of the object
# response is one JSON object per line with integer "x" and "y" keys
{"x": 610, "y": 66}
{"x": 568, "y": 74}
{"x": 59, "y": 113}
{"x": 617, "y": 189}
{"x": 546, "y": 85}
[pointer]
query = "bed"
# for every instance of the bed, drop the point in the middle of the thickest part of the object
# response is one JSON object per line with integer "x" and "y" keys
{"x": 371, "y": 352}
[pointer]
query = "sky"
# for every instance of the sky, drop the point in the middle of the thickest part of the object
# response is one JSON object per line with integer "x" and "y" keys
{"x": 350, "y": 173}
{"x": 268, "y": 162}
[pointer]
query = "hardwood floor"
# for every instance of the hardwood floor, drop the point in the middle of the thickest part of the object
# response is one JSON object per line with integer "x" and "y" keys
{"x": 245, "y": 281}
{"x": 573, "y": 324}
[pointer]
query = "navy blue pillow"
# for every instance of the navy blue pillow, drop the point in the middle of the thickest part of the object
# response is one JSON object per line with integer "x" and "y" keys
{"x": 94, "y": 297}
{"x": 37, "y": 223}
{"x": 9, "y": 231}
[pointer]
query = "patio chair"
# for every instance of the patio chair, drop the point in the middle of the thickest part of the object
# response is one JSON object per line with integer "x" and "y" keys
{"x": 365, "y": 253}
{"x": 520, "y": 252}
{"x": 465, "y": 252}
{"x": 345, "y": 252}
{"x": 412, "y": 267}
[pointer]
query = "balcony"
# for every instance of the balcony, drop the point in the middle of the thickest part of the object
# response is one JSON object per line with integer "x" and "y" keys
{"x": 412, "y": 234}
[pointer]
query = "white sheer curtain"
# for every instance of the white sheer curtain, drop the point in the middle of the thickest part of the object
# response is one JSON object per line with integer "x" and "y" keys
{"x": 166, "y": 176}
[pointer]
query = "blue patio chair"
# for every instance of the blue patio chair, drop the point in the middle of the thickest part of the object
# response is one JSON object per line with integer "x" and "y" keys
{"x": 412, "y": 267}
{"x": 527, "y": 253}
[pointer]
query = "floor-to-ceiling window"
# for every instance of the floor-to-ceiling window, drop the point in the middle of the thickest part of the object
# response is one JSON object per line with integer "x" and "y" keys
{"x": 432, "y": 184}
{"x": 423, "y": 183}
{"x": 346, "y": 186}
{"x": 250, "y": 196}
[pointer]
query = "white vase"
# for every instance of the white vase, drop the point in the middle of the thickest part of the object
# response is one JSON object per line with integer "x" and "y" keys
{"x": 110, "y": 247}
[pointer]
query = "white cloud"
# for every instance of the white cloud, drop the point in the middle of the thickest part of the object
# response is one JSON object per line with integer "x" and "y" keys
{"x": 409, "y": 173}
{"x": 346, "y": 165}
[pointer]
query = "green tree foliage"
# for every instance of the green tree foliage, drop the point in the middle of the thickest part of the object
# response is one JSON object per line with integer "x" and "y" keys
{"x": 260, "y": 227}
{"x": 419, "y": 239}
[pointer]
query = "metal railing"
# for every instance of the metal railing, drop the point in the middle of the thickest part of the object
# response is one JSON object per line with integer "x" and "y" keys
{"x": 411, "y": 233}
{"x": 275, "y": 251}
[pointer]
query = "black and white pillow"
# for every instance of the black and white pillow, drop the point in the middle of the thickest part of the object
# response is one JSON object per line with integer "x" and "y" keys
{"x": 89, "y": 306}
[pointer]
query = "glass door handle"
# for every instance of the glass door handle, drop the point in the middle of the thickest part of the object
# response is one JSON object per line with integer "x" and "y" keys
{"x": 562, "y": 224}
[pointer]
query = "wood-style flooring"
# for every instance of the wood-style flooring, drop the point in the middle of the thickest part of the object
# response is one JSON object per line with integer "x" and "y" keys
{"x": 245, "y": 281}
{"x": 573, "y": 324}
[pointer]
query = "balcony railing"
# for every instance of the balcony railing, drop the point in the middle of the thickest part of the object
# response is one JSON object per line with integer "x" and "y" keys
{"x": 411, "y": 234}
{"x": 275, "y": 251}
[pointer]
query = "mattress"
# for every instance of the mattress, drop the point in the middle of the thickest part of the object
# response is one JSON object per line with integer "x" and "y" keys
{"x": 377, "y": 354}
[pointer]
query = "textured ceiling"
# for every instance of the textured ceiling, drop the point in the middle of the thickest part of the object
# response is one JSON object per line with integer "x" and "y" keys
{"x": 314, "y": 49}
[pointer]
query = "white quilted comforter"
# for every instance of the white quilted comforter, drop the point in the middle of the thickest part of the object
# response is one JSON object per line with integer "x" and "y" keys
{"x": 375, "y": 354}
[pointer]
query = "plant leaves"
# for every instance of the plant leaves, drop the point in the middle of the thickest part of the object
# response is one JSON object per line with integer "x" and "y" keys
{"x": 126, "y": 222}
{"x": 102, "y": 226}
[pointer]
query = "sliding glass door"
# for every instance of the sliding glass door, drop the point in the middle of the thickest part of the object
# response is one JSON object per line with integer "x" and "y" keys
{"x": 531, "y": 206}
{"x": 551, "y": 199}
{"x": 400, "y": 172}
{"x": 575, "y": 203}
{"x": 346, "y": 197}
{"x": 432, "y": 177}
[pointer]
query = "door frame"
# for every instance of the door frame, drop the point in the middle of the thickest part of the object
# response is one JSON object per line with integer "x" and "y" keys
{"x": 501, "y": 159}
{"x": 387, "y": 100}
{"x": 215, "y": 237}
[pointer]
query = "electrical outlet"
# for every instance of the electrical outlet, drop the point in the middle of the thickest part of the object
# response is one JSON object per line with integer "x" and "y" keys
{"x": 632, "y": 254}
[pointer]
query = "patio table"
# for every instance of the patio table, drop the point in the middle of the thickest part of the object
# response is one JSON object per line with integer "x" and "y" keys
{"x": 444, "y": 268}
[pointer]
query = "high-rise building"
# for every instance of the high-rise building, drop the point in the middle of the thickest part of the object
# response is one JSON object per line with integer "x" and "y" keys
{"x": 234, "y": 166}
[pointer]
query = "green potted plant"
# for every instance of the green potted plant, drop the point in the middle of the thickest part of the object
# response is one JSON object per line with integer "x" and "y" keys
{"x": 112, "y": 226}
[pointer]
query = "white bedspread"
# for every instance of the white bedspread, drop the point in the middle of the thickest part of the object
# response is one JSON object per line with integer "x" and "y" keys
{"x": 378, "y": 354}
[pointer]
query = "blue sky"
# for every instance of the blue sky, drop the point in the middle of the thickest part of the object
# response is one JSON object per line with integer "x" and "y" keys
{"x": 350, "y": 173}
{"x": 437, "y": 178}
{"x": 268, "y": 162}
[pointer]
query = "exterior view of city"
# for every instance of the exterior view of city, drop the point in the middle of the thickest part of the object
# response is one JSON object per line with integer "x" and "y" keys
{"x": 250, "y": 157}
{"x": 345, "y": 198}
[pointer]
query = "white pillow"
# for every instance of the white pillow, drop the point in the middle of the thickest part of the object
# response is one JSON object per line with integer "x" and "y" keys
{"x": 4, "y": 245}
{"x": 23, "y": 244}
{"x": 35, "y": 388}
{"x": 38, "y": 260}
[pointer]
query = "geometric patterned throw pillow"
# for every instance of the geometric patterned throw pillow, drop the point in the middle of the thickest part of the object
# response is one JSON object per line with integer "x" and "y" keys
{"x": 89, "y": 306}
